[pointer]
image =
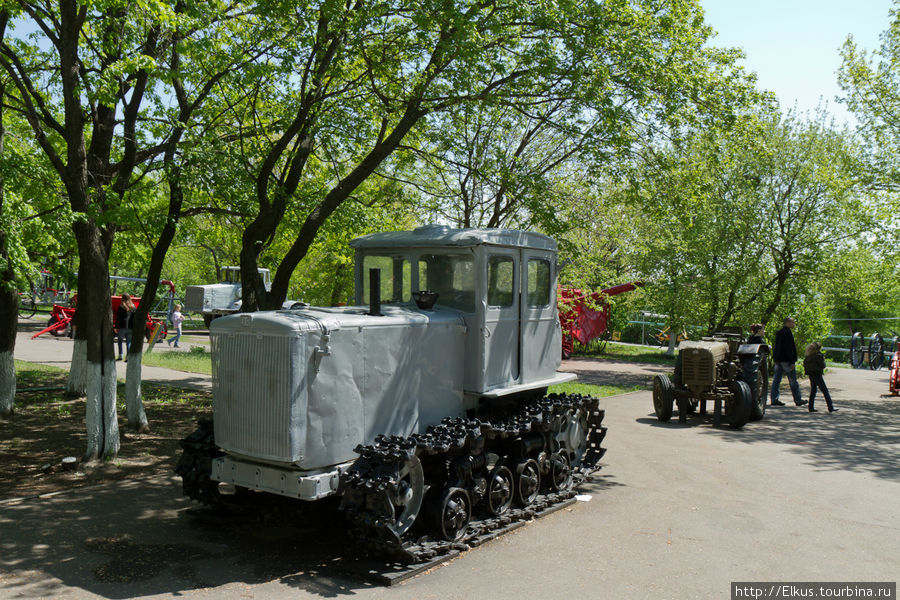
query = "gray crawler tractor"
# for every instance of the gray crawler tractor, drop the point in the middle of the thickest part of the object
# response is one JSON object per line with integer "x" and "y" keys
{"x": 722, "y": 369}
{"x": 423, "y": 407}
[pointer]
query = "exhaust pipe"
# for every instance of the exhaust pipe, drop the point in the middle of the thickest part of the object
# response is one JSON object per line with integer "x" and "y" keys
{"x": 375, "y": 292}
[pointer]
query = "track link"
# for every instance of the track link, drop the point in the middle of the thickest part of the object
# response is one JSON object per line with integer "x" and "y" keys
{"x": 195, "y": 464}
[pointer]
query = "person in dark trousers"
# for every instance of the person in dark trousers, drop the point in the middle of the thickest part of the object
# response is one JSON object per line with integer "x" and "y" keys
{"x": 124, "y": 321}
{"x": 814, "y": 365}
{"x": 784, "y": 354}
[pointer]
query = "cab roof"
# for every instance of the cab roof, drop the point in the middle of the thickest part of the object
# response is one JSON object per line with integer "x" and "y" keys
{"x": 430, "y": 236}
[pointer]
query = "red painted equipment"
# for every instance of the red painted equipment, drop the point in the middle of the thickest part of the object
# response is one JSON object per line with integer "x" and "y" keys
{"x": 894, "y": 381}
{"x": 585, "y": 317}
{"x": 61, "y": 317}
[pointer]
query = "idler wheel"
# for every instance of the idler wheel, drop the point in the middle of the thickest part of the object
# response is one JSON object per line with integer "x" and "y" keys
{"x": 573, "y": 435}
{"x": 527, "y": 482}
{"x": 455, "y": 513}
{"x": 499, "y": 494}
{"x": 406, "y": 499}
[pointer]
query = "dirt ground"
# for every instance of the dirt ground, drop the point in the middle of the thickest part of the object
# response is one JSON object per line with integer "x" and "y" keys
{"x": 47, "y": 427}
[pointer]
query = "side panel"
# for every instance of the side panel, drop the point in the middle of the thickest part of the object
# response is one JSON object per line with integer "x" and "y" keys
{"x": 413, "y": 377}
{"x": 334, "y": 414}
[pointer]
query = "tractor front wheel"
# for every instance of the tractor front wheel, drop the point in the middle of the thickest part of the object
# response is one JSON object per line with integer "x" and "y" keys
{"x": 739, "y": 406}
{"x": 663, "y": 395}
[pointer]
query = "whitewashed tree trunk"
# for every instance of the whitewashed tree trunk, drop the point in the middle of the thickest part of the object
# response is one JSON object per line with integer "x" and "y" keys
{"x": 672, "y": 342}
{"x": 77, "y": 384}
{"x": 7, "y": 383}
{"x": 134, "y": 408}
{"x": 101, "y": 417}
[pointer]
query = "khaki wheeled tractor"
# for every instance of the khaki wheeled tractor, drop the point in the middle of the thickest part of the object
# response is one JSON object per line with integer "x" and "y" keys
{"x": 723, "y": 369}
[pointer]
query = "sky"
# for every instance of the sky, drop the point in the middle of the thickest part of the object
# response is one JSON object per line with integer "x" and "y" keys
{"x": 794, "y": 45}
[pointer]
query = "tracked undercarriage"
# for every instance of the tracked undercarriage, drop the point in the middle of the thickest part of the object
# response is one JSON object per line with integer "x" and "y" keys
{"x": 418, "y": 497}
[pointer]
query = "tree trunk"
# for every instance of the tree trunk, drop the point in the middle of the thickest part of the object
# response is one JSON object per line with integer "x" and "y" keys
{"x": 101, "y": 418}
{"x": 7, "y": 383}
{"x": 8, "y": 327}
{"x": 673, "y": 339}
{"x": 76, "y": 386}
{"x": 9, "y": 297}
{"x": 134, "y": 406}
{"x": 94, "y": 307}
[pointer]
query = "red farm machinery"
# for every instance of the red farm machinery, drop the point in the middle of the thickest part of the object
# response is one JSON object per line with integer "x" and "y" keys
{"x": 585, "y": 316}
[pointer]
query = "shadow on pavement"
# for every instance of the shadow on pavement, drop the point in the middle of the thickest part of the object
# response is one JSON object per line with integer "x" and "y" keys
{"x": 141, "y": 538}
{"x": 863, "y": 436}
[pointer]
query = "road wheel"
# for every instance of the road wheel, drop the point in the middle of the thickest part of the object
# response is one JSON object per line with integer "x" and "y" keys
{"x": 663, "y": 394}
{"x": 527, "y": 482}
{"x": 499, "y": 495}
{"x": 207, "y": 319}
{"x": 455, "y": 513}
{"x": 739, "y": 406}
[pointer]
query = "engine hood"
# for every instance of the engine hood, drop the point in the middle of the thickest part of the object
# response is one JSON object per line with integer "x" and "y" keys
{"x": 290, "y": 322}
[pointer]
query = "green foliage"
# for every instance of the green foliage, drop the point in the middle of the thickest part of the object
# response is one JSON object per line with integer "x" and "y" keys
{"x": 739, "y": 224}
{"x": 36, "y": 218}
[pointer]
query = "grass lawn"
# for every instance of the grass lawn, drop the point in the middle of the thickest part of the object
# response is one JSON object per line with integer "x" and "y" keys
{"x": 195, "y": 360}
{"x": 597, "y": 391}
{"x": 632, "y": 353}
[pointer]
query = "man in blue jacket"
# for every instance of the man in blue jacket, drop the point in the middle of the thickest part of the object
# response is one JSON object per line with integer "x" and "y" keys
{"x": 784, "y": 354}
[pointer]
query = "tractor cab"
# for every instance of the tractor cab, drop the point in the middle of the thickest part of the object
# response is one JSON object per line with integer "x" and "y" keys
{"x": 232, "y": 275}
{"x": 501, "y": 282}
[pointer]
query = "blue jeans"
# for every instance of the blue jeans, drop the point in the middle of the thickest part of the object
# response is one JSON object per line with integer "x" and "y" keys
{"x": 785, "y": 368}
{"x": 817, "y": 381}
{"x": 124, "y": 336}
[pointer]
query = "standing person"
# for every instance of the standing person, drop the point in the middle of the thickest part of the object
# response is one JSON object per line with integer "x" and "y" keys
{"x": 177, "y": 320}
{"x": 757, "y": 334}
{"x": 785, "y": 356}
{"x": 814, "y": 365}
{"x": 124, "y": 322}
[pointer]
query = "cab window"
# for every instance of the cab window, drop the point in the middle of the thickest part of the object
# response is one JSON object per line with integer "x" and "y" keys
{"x": 395, "y": 277}
{"x": 452, "y": 276}
{"x": 501, "y": 281}
{"x": 538, "y": 282}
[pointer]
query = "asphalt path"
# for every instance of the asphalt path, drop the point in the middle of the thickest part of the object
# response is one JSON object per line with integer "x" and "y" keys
{"x": 678, "y": 511}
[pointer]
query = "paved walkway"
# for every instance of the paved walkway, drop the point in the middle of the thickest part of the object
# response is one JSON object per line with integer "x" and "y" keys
{"x": 57, "y": 351}
{"x": 678, "y": 512}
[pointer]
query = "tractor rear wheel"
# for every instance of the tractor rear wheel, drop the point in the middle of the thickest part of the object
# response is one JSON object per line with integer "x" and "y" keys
{"x": 663, "y": 395}
{"x": 756, "y": 374}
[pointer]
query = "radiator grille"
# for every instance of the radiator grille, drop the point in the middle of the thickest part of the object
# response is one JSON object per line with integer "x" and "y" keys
{"x": 698, "y": 367}
{"x": 193, "y": 299}
{"x": 252, "y": 394}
